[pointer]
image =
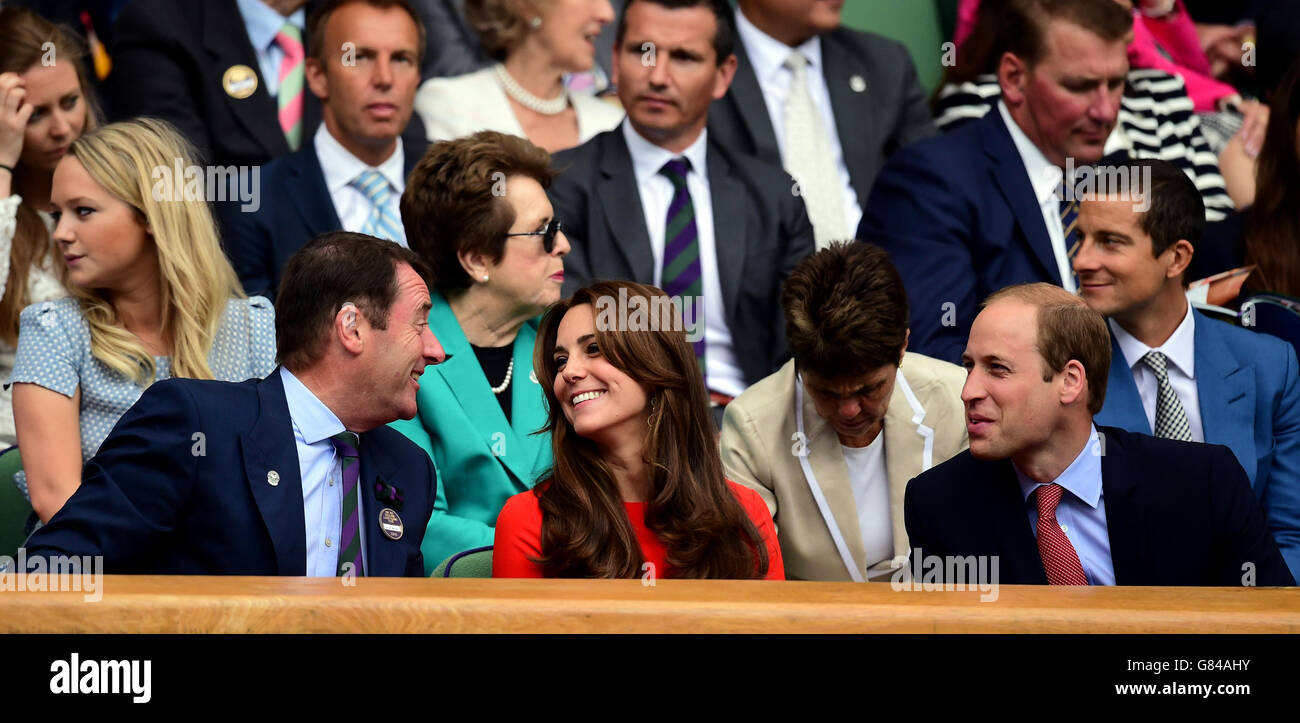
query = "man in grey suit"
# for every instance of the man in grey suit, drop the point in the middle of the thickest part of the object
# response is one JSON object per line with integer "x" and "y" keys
{"x": 658, "y": 202}
{"x": 828, "y": 102}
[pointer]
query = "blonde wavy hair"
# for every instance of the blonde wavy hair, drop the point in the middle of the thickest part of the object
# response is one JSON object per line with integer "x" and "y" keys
{"x": 197, "y": 280}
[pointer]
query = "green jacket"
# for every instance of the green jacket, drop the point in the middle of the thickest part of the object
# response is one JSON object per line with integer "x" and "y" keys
{"x": 481, "y": 459}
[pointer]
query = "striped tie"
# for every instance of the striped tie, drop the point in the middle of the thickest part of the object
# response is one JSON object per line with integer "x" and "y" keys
{"x": 345, "y": 444}
{"x": 1171, "y": 418}
{"x": 1070, "y": 225}
{"x": 1060, "y": 560}
{"x": 381, "y": 222}
{"x": 682, "y": 277}
{"x": 289, "y": 98}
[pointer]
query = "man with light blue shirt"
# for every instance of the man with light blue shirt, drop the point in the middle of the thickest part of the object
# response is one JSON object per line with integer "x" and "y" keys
{"x": 1057, "y": 500}
{"x": 295, "y": 474}
{"x": 364, "y": 68}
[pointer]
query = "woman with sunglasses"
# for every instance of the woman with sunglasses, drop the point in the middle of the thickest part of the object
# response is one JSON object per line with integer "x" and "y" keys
{"x": 476, "y": 210}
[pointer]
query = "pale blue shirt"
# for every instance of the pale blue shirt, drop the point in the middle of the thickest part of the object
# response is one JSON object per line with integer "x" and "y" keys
{"x": 1081, "y": 514}
{"x": 340, "y": 168}
{"x": 263, "y": 24}
{"x": 321, "y": 469}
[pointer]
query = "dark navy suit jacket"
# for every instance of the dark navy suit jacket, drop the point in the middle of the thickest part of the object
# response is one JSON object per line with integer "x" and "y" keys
{"x": 295, "y": 208}
{"x": 1177, "y": 513}
{"x": 183, "y": 485}
{"x": 1248, "y": 385}
{"x": 960, "y": 220}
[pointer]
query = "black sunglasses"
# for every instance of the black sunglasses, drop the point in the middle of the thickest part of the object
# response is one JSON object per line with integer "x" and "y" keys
{"x": 547, "y": 234}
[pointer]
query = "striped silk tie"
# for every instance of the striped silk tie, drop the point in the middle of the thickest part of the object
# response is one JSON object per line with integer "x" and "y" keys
{"x": 1060, "y": 560}
{"x": 682, "y": 276}
{"x": 345, "y": 444}
{"x": 289, "y": 97}
{"x": 1171, "y": 418}
{"x": 381, "y": 222}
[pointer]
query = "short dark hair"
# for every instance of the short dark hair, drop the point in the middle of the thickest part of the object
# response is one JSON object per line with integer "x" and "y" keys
{"x": 724, "y": 38}
{"x": 845, "y": 311}
{"x": 452, "y": 202}
{"x": 333, "y": 268}
{"x": 320, "y": 18}
{"x": 1023, "y": 26}
{"x": 1176, "y": 211}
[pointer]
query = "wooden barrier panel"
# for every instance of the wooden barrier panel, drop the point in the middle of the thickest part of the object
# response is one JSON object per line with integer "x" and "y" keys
{"x": 164, "y": 604}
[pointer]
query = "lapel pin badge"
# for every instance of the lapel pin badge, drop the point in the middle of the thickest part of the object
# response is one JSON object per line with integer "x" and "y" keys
{"x": 858, "y": 83}
{"x": 239, "y": 81}
{"x": 273, "y": 478}
{"x": 390, "y": 523}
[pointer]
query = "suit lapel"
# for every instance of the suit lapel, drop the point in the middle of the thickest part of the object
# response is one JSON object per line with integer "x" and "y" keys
{"x": 384, "y": 555}
{"x": 828, "y": 464}
{"x": 1226, "y": 390}
{"x": 729, "y": 233}
{"x": 312, "y": 197}
{"x": 226, "y": 40}
{"x": 750, "y": 108}
{"x": 1123, "y": 405}
{"x": 847, "y": 105}
{"x": 1125, "y": 520}
{"x": 1008, "y": 171}
{"x": 904, "y": 451}
{"x": 620, "y": 199}
{"x": 465, "y": 378}
{"x": 1015, "y": 539}
{"x": 272, "y": 474}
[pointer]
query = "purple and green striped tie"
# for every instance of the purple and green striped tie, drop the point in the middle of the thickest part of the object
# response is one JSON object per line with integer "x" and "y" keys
{"x": 346, "y": 443}
{"x": 682, "y": 275}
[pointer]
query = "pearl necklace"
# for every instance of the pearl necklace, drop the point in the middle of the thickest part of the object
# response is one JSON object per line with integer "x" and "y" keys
{"x": 551, "y": 106}
{"x": 510, "y": 372}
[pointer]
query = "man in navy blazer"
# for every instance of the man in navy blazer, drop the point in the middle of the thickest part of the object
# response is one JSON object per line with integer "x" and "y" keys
{"x": 1213, "y": 382}
{"x": 1057, "y": 500}
{"x": 368, "y": 127}
{"x": 225, "y": 478}
{"x": 978, "y": 208}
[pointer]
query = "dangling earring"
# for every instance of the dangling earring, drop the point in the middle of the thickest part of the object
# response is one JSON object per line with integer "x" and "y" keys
{"x": 535, "y": 23}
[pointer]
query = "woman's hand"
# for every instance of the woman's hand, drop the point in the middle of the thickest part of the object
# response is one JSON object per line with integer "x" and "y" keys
{"x": 14, "y": 113}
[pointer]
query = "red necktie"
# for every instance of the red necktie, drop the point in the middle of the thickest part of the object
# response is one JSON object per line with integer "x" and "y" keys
{"x": 1060, "y": 560}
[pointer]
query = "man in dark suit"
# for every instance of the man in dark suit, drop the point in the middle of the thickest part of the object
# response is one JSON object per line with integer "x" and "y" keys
{"x": 213, "y": 69}
{"x": 1174, "y": 370}
{"x": 1055, "y": 499}
{"x": 296, "y": 474}
{"x": 980, "y": 207}
{"x": 862, "y": 90}
{"x": 350, "y": 175}
{"x": 656, "y": 201}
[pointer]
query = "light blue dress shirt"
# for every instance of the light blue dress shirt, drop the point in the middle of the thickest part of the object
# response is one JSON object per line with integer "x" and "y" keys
{"x": 1081, "y": 514}
{"x": 321, "y": 469}
{"x": 263, "y": 24}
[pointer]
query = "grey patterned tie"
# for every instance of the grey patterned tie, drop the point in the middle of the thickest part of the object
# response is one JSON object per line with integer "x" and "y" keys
{"x": 810, "y": 159}
{"x": 1171, "y": 418}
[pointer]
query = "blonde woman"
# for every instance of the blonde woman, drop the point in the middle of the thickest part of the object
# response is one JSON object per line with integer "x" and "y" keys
{"x": 152, "y": 297}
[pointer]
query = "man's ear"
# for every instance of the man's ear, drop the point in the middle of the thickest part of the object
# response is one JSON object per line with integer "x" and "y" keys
{"x": 726, "y": 72}
{"x": 1074, "y": 383}
{"x": 1182, "y": 251}
{"x": 314, "y": 72}
{"x": 1013, "y": 74}
{"x": 347, "y": 328}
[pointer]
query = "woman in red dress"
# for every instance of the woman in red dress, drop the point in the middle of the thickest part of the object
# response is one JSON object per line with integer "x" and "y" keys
{"x": 637, "y": 489}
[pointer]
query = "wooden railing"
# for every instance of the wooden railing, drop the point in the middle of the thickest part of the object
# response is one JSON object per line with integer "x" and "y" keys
{"x": 162, "y": 604}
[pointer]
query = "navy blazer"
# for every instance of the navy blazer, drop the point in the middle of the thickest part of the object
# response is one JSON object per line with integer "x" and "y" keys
{"x": 960, "y": 220}
{"x": 1248, "y": 385}
{"x": 761, "y": 230}
{"x": 1177, "y": 513}
{"x": 201, "y": 477}
{"x": 295, "y": 208}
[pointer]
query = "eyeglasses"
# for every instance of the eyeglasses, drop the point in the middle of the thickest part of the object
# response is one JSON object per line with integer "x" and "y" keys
{"x": 547, "y": 234}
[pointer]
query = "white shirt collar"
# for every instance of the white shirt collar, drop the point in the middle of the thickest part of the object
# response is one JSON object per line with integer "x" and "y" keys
{"x": 1044, "y": 176}
{"x": 313, "y": 419}
{"x": 1179, "y": 348}
{"x": 1081, "y": 479}
{"x": 768, "y": 55}
{"x": 648, "y": 159}
{"x": 340, "y": 167}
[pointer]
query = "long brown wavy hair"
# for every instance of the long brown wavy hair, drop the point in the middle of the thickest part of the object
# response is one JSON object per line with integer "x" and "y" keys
{"x": 585, "y": 529}
{"x": 1273, "y": 223}
{"x": 23, "y": 35}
